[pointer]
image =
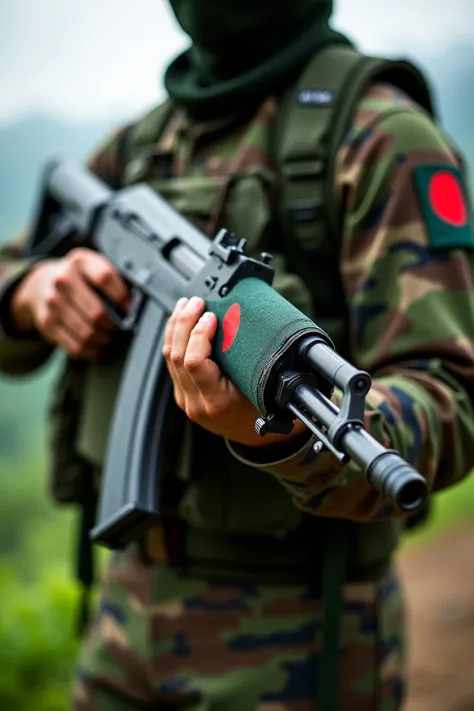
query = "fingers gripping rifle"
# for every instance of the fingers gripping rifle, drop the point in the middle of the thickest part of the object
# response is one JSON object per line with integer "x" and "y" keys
{"x": 282, "y": 361}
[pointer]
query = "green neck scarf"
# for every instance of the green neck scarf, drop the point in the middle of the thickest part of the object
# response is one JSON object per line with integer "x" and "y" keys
{"x": 243, "y": 51}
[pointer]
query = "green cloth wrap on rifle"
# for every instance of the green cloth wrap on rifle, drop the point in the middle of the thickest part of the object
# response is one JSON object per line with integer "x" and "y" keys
{"x": 256, "y": 327}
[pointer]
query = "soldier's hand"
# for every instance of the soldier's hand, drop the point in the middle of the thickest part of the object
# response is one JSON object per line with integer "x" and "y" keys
{"x": 200, "y": 389}
{"x": 57, "y": 299}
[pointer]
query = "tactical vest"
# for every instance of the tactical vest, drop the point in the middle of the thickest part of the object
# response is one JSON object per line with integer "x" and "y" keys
{"x": 288, "y": 207}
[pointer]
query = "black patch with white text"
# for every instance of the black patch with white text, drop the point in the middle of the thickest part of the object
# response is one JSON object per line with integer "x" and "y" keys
{"x": 316, "y": 97}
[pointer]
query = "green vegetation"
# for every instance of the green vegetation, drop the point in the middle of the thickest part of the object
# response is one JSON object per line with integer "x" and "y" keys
{"x": 449, "y": 508}
{"x": 39, "y": 597}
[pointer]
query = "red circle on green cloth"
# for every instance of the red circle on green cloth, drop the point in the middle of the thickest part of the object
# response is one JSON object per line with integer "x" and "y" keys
{"x": 230, "y": 326}
{"x": 447, "y": 198}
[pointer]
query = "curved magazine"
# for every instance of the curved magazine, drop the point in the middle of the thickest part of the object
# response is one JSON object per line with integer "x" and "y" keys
{"x": 129, "y": 499}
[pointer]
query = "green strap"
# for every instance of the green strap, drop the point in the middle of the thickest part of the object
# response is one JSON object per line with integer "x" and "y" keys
{"x": 85, "y": 570}
{"x": 334, "y": 574}
{"x": 310, "y": 130}
{"x": 305, "y": 129}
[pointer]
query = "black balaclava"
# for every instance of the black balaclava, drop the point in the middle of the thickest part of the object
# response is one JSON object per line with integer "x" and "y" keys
{"x": 243, "y": 50}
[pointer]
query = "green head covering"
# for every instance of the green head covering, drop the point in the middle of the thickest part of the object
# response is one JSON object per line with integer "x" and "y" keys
{"x": 243, "y": 50}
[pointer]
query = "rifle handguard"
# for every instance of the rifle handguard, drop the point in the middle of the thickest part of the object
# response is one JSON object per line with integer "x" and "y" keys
{"x": 249, "y": 350}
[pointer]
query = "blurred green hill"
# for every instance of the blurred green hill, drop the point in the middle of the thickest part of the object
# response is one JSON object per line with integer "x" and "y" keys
{"x": 24, "y": 148}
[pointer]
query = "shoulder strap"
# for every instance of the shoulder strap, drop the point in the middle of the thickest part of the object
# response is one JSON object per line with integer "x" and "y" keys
{"x": 314, "y": 118}
{"x": 138, "y": 142}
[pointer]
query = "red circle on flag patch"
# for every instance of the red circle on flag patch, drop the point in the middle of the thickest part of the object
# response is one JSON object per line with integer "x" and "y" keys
{"x": 447, "y": 198}
{"x": 230, "y": 326}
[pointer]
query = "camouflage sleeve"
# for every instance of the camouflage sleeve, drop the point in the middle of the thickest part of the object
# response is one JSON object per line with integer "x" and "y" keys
{"x": 407, "y": 258}
{"x": 24, "y": 354}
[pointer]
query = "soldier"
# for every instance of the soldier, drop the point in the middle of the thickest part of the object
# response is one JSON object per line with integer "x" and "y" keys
{"x": 268, "y": 585}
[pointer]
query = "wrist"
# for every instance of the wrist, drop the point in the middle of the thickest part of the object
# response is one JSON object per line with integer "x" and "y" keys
{"x": 21, "y": 316}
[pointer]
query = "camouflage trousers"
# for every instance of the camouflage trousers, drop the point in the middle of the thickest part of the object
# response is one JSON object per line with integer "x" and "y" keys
{"x": 164, "y": 642}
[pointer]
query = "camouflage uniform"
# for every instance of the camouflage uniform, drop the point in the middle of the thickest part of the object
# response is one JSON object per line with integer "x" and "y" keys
{"x": 162, "y": 639}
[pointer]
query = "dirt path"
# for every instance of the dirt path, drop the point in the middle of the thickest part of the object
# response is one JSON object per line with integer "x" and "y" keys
{"x": 439, "y": 584}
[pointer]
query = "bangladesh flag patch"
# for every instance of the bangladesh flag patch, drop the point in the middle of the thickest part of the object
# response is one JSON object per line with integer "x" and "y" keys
{"x": 445, "y": 206}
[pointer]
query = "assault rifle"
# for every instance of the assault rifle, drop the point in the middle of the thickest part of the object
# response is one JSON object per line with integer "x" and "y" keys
{"x": 284, "y": 363}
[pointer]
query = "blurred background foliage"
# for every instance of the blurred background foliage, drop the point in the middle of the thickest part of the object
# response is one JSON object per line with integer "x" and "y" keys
{"x": 39, "y": 599}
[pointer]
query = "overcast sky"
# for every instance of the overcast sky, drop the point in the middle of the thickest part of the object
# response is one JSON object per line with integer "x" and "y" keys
{"x": 93, "y": 59}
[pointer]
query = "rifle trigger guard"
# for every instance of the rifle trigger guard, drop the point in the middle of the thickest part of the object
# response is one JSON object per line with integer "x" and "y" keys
{"x": 127, "y": 321}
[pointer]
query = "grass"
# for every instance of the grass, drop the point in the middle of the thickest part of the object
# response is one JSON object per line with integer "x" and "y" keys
{"x": 448, "y": 508}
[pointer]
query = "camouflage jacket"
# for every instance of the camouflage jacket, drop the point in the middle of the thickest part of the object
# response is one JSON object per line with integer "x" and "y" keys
{"x": 406, "y": 265}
